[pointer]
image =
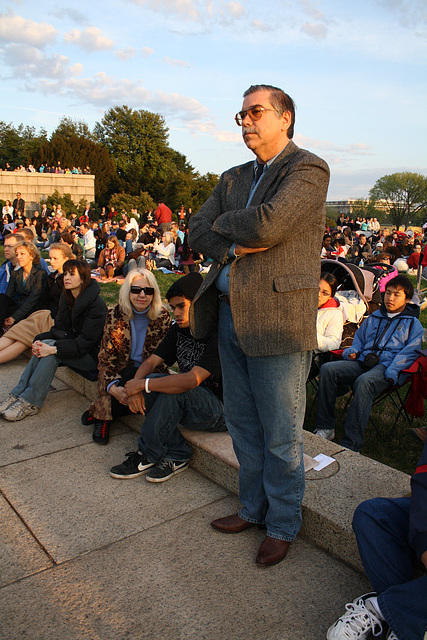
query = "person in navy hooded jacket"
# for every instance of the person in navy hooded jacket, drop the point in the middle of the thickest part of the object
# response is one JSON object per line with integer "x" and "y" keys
{"x": 392, "y": 539}
{"x": 385, "y": 344}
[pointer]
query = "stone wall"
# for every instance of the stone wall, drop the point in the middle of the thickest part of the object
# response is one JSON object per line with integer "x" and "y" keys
{"x": 34, "y": 186}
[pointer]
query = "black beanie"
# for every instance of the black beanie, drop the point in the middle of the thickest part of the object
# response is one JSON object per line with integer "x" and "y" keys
{"x": 187, "y": 286}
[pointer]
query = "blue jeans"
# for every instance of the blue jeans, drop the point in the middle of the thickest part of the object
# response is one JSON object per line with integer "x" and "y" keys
{"x": 35, "y": 381}
{"x": 264, "y": 405}
{"x": 367, "y": 384}
{"x": 160, "y": 437}
{"x": 381, "y": 527}
{"x": 134, "y": 264}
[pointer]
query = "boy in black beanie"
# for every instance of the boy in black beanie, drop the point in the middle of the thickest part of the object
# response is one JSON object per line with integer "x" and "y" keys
{"x": 192, "y": 398}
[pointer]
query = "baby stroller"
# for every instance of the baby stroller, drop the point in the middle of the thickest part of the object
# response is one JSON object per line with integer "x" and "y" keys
{"x": 358, "y": 292}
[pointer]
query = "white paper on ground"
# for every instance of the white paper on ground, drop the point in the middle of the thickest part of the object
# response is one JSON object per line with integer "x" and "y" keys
{"x": 323, "y": 461}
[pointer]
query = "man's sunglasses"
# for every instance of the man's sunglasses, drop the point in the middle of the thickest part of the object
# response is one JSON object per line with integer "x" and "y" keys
{"x": 149, "y": 291}
{"x": 255, "y": 114}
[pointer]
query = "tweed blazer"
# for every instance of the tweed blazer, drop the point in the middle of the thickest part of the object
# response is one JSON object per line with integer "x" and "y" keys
{"x": 114, "y": 354}
{"x": 273, "y": 293}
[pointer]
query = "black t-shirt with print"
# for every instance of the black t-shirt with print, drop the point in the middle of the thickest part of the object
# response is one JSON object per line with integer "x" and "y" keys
{"x": 179, "y": 346}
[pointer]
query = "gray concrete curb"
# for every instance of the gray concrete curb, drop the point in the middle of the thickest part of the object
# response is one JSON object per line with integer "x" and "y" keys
{"x": 331, "y": 495}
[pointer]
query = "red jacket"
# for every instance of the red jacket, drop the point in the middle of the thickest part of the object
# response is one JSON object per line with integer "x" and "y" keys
{"x": 163, "y": 214}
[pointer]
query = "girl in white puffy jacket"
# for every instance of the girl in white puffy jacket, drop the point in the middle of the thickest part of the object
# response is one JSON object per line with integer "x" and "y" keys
{"x": 329, "y": 315}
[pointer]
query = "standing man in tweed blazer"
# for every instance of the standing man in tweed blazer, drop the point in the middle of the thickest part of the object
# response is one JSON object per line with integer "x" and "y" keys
{"x": 263, "y": 227}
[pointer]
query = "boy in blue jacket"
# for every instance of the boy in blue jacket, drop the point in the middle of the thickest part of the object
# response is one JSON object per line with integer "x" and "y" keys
{"x": 384, "y": 345}
{"x": 391, "y": 535}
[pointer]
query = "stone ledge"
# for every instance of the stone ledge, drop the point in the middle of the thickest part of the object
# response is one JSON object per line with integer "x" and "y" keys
{"x": 331, "y": 495}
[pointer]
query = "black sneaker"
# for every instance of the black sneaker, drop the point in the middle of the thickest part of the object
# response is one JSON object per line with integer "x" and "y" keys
{"x": 87, "y": 418}
{"x": 135, "y": 465}
{"x": 101, "y": 432}
{"x": 165, "y": 469}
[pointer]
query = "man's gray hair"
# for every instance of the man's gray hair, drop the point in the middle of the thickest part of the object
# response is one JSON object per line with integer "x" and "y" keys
{"x": 279, "y": 100}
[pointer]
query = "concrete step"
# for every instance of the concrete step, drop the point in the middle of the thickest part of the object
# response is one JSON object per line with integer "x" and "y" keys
{"x": 331, "y": 495}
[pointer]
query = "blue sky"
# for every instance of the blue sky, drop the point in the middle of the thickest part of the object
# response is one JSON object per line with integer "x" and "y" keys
{"x": 356, "y": 70}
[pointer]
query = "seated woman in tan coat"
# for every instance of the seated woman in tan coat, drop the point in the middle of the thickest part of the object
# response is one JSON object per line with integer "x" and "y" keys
{"x": 133, "y": 330}
{"x": 112, "y": 258}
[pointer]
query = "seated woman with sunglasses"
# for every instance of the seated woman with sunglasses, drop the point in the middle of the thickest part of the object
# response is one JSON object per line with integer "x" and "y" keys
{"x": 73, "y": 340}
{"x": 132, "y": 332}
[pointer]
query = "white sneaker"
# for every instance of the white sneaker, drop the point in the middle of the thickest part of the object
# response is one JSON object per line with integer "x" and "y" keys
{"x": 19, "y": 410}
{"x": 7, "y": 402}
{"x": 358, "y": 622}
{"x": 328, "y": 434}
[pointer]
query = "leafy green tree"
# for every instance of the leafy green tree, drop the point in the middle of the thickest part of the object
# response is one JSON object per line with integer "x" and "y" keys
{"x": 127, "y": 202}
{"x": 17, "y": 144}
{"x": 202, "y": 188}
{"x": 63, "y": 199}
{"x": 402, "y": 196}
{"x": 137, "y": 141}
{"x": 364, "y": 209}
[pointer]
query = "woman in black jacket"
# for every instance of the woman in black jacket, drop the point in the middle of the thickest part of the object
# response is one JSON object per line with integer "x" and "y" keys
{"x": 26, "y": 291}
{"x": 73, "y": 340}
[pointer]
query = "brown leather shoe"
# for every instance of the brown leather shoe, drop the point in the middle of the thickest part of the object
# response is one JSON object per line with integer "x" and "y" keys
{"x": 231, "y": 524}
{"x": 272, "y": 551}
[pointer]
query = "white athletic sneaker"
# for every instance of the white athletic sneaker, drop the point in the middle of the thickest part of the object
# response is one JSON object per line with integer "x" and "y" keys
{"x": 19, "y": 410}
{"x": 7, "y": 402}
{"x": 328, "y": 434}
{"x": 358, "y": 622}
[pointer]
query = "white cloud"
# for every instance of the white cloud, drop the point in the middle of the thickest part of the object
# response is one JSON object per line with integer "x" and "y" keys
{"x": 317, "y": 31}
{"x": 210, "y": 128}
{"x": 103, "y": 91}
{"x": 232, "y": 9}
{"x": 309, "y": 9}
{"x": 125, "y": 54}
{"x": 185, "y": 9}
{"x": 18, "y": 30}
{"x": 74, "y": 15}
{"x": 29, "y": 62}
{"x": 259, "y": 25}
{"x": 175, "y": 63}
{"x": 146, "y": 51}
{"x": 90, "y": 39}
{"x": 176, "y": 104}
{"x": 355, "y": 148}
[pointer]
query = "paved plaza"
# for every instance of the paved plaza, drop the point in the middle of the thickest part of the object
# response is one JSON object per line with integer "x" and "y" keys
{"x": 84, "y": 556}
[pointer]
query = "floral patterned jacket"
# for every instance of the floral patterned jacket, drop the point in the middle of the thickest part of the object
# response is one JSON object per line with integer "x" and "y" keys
{"x": 114, "y": 353}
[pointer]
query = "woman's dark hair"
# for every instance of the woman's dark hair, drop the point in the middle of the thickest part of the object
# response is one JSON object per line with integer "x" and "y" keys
{"x": 84, "y": 271}
{"x": 331, "y": 280}
{"x": 67, "y": 237}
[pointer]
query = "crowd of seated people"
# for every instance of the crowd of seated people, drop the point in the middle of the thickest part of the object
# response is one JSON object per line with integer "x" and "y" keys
{"x": 119, "y": 246}
{"x": 44, "y": 168}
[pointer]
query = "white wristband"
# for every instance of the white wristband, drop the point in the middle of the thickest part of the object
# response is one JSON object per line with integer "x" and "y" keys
{"x": 147, "y": 390}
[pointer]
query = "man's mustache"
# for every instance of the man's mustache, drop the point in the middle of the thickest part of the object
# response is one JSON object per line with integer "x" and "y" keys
{"x": 249, "y": 130}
